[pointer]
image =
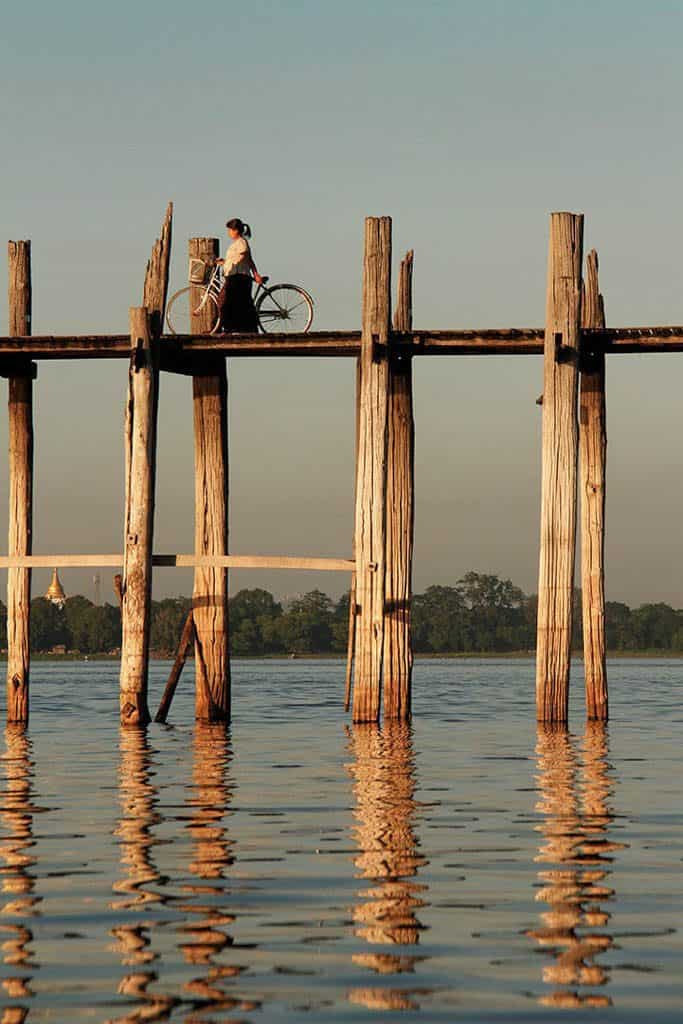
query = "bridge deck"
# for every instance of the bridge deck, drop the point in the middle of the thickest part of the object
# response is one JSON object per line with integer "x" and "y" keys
{"x": 515, "y": 341}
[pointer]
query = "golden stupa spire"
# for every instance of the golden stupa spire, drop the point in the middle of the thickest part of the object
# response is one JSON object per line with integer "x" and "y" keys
{"x": 55, "y": 592}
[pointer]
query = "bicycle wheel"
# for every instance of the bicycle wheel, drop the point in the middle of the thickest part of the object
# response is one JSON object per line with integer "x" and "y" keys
{"x": 285, "y": 308}
{"x": 179, "y": 313}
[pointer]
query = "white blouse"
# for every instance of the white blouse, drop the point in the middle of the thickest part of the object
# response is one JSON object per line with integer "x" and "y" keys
{"x": 238, "y": 258}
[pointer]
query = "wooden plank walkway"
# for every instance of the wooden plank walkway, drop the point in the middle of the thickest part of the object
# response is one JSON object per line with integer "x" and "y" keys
{"x": 519, "y": 341}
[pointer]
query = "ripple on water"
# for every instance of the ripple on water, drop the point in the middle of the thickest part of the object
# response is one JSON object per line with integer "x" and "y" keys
{"x": 469, "y": 867}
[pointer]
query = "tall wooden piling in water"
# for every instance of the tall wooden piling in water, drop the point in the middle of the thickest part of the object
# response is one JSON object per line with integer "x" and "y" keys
{"x": 135, "y": 587}
{"x": 141, "y": 431}
{"x": 559, "y": 466}
{"x": 353, "y": 603}
{"x": 574, "y": 343}
{"x": 20, "y": 377}
{"x": 210, "y": 593}
{"x": 371, "y": 469}
{"x": 592, "y": 472}
{"x": 400, "y": 515}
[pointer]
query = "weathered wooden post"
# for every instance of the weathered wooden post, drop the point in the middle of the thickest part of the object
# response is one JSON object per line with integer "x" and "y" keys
{"x": 210, "y": 594}
{"x": 141, "y": 430}
{"x": 156, "y": 278}
{"x": 592, "y": 463}
{"x": 371, "y": 470}
{"x": 559, "y": 467}
{"x": 398, "y": 655}
{"x": 353, "y": 604}
{"x": 20, "y": 486}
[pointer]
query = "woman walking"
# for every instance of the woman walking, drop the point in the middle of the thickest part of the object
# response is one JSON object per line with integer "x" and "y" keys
{"x": 235, "y": 302}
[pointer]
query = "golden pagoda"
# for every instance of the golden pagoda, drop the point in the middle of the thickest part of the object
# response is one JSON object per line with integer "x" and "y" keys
{"x": 55, "y": 592}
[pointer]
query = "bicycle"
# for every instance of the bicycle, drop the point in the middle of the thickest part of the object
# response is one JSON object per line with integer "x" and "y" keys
{"x": 282, "y": 308}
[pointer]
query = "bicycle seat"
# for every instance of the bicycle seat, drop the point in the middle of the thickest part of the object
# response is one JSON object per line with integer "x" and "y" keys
{"x": 265, "y": 280}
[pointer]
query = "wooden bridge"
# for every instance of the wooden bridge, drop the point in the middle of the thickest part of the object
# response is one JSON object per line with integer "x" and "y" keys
{"x": 574, "y": 342}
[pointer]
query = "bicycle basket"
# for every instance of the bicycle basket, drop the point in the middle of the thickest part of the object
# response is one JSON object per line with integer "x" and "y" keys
{"x": 198, "y": 271}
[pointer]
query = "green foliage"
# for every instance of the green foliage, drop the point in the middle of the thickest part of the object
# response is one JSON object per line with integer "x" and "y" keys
{"x": 104, "y": 629}
{"x": 168, "y": 618}
{"x": 440, "y": 620}
{"x": 77, "y": 612}
{"x": 90, "y": 628}
{"x": 480, "y": 613}
{"x": 617, "y": 626}
{"x": 654, "y": 625}
{"x": 253, "y": 622}
{"x": 340, "y": 624}
{"x": 307, "y": 626}
{"x": 48, "y": 625}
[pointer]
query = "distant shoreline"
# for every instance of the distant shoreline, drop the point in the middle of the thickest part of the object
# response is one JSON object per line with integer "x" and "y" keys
{"x": 422, "y": 656}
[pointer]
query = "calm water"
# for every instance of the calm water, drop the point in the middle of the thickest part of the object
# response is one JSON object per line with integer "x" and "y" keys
{"x": 299, "y": 869}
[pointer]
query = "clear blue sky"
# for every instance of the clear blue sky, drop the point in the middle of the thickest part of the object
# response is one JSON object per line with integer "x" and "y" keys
{"x": 468, "y": 123}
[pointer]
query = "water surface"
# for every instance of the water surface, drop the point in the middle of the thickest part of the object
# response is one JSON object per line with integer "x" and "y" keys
{"x": 470, "y": 867}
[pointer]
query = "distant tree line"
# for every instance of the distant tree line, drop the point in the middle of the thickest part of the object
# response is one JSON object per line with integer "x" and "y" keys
{"x": 480, "y": 613}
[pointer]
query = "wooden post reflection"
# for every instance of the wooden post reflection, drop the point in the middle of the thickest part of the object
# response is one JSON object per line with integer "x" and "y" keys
{"x": 19, "y": 900}
{"x": 212, "y": 853}
{"x": 574, "y": 799}
{"x": 384, "y": 772}
{"x": 138, "y": 799}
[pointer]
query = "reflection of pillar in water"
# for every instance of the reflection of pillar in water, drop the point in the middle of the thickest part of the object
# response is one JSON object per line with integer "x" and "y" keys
{"x": 384, "y": 772}
{"x": 15, "y": 1014}
{"x": 574, "y": 802}
{"x": 211, "y": 855}
{"x": 17, "y": 887}
{"x": 138, "y": 799}
{"x": 383, "y": 999}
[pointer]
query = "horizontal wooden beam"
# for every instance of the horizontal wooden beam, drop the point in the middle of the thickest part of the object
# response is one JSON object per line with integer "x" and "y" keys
{"x": 315, "y": 343}
{"x": 117, "y": 346}
{"x": 512, "y": 341}
{"x": 529, "y": 341}
{"x": 180, "y": 562}
{"x": 60, "y": 561}
{"x": 48, "y": 346}
{"x": 635, "y": 339}
{"x": 179, "y": 352}
{"x": 256, "y": 562}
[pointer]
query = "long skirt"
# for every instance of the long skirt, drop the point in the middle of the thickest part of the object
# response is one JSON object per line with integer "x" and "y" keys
{"x": 236, "y": 305}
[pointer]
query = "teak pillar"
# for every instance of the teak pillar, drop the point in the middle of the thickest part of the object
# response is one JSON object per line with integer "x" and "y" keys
{"x": 210, "y": 595}
{"x": 20, "y": 486}
{"x": 141, "y": 431}
{"x": 592, "y": 468}
{"x": 559, "y": 467}
{"x": 398, "y": 655}
{"x": 353, "y": 607}
{"x": 371, "y": 470}
{"x": 156, "y": 277}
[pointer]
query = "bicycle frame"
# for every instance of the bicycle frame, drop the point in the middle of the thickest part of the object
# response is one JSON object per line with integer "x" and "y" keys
{"x": 213, "y": 287}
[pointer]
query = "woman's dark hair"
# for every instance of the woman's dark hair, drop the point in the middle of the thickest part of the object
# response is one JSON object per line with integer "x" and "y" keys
{"x": 239, "y": 225}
